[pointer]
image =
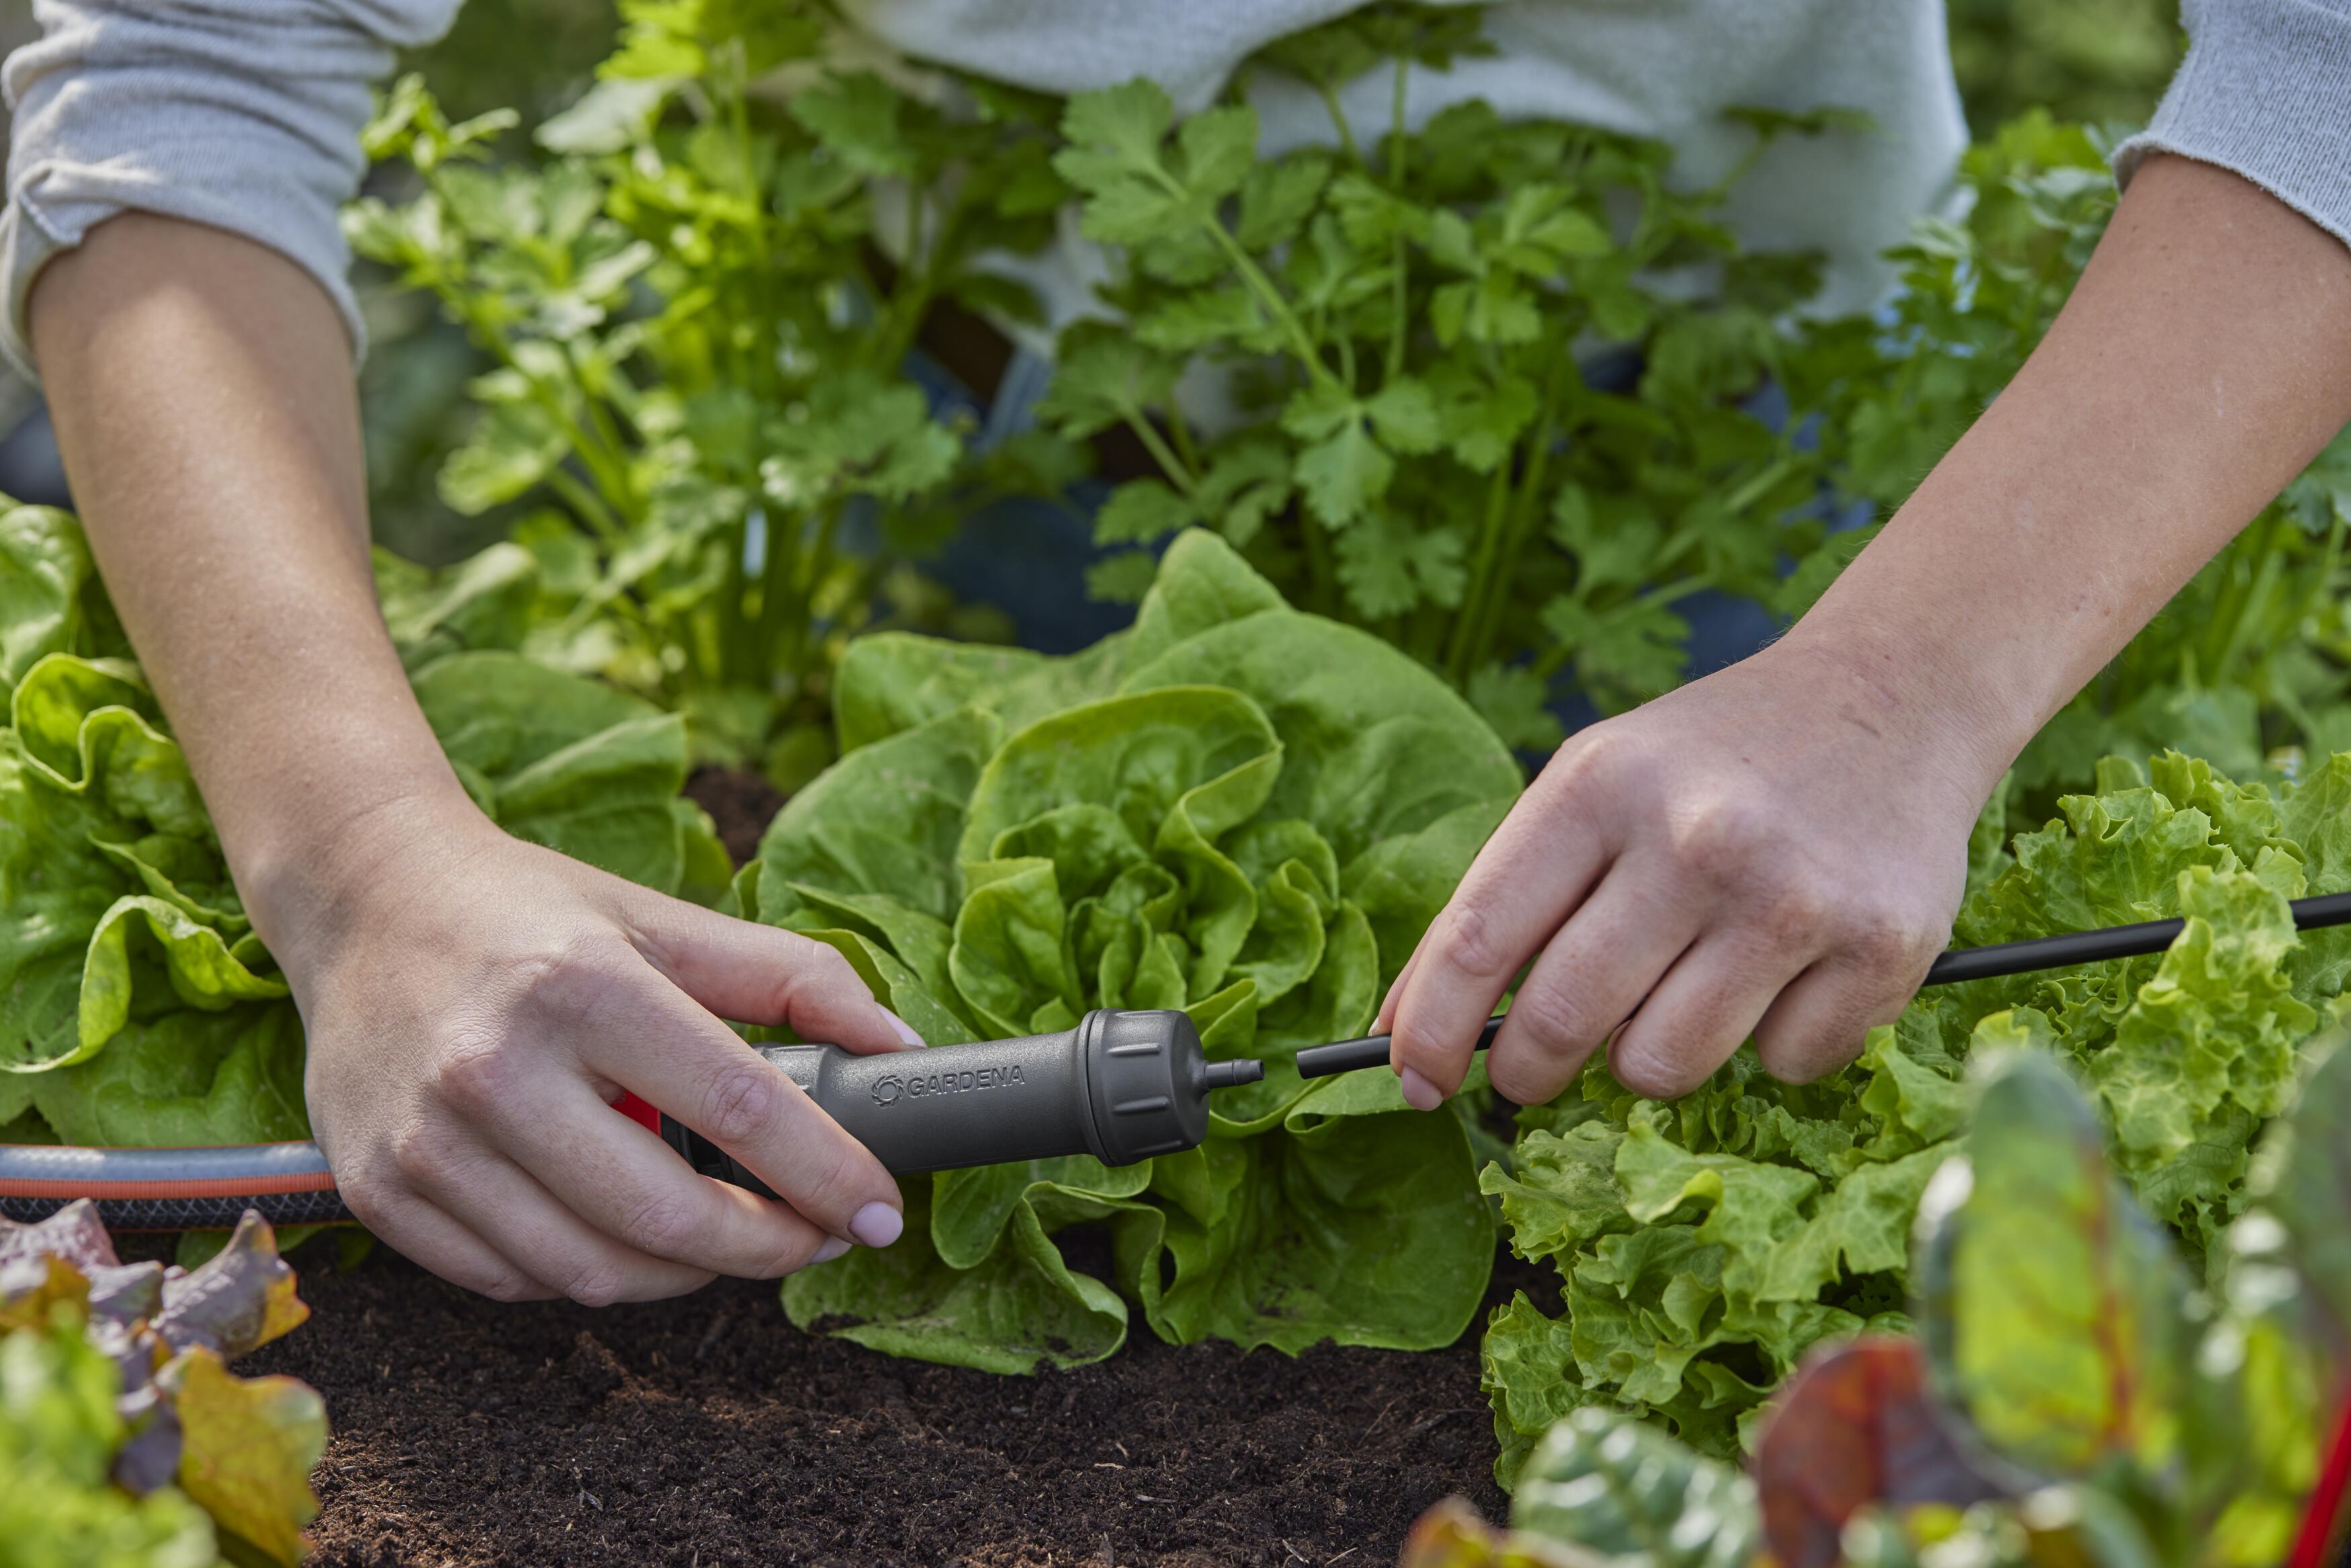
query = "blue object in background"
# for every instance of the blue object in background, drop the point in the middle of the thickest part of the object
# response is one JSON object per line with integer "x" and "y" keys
{"x": 1025, "y": 555}
{"x": 30, "y": 469}
{"x": 1028, "y": 556}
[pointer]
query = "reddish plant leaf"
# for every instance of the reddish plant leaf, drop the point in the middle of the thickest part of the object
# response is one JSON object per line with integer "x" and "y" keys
{"x": 1856, "y": 1426}
{"x": 70, "y": 1255}
{"x": 72, "y": 1233}
{"x": 241, "y": 1298}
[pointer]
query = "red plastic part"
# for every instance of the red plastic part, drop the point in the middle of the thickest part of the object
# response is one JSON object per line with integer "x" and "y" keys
{"x": 2310, "y": 1542}
{"x": 637, "y": 1110}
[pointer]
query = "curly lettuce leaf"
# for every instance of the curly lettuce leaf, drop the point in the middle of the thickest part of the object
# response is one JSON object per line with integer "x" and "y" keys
{"x": 1706, "y": 1244}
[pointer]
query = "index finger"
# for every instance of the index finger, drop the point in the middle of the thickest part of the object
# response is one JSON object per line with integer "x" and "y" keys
{"x": 702, "y": 1073}
{"x": 629, "y": 1184}
{"x": 1537, "y": 869}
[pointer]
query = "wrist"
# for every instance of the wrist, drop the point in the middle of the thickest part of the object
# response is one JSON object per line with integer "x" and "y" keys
{"x": 312, "y": 878}
{"x": 1939, "y": 705}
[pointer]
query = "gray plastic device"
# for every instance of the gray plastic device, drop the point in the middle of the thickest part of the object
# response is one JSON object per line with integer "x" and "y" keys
{"x": 1121, "y": 1086}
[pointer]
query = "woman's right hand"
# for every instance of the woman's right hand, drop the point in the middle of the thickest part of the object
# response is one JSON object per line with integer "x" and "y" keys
{"x": 473, "y": 1003}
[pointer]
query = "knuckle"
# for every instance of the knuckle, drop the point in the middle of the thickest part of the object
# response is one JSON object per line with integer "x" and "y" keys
{"x": 1653, "y": 1076}
{"x": 1816, "y": 1042}
{"x": 1474, "y": 946}
{"x": 834, "y": 1174}
{"x": 424, "y": 1156}
{"x": 1523, "y": 1084}
{"x": 477, "y": 1077}
{"x": 594, "y": 1282}
{"x": 562, "y": 980}
{"x": 1586, "y": 759}
{"x": 741, "y": 1103}
{"x": 510, "y": 1287}
{"x": 1721, "y": 840}
{"x": 661, "y": 1224}
{"x": 1554, "y": 1022}
{"x": 369, "y": 1195}
{"x": 1799, "y": 910}
{"x": 1886, "y": 946}
{"x": 1800, "y": 1059}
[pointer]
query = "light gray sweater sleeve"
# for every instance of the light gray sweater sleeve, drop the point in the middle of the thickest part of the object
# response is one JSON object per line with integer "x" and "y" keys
{"x": 241, "y": 114}
{"x": 2265, "y": 91}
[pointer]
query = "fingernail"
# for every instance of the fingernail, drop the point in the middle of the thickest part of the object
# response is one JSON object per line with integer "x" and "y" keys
{"x": 904, "y": 1030}
{"x": 877, "y": 1224}
{"x": 1418, "y": 1091}
{"x": 833, "y": 1247}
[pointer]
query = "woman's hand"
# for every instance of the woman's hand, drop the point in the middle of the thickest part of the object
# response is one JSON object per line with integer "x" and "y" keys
{"x": 1780, "y": 847}
{"x": 1776, "y": 849}
{"x": 473, "y": 1003}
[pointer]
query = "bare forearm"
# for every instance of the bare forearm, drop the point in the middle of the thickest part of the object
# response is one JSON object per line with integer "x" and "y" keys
{"x": 2204, "y": 358}
{"x": 202, "y": 394}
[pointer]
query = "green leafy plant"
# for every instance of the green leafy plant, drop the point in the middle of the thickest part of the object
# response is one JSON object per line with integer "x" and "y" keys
{"x": 1234, "y": 809}
{"x": 2102, "y": 61}
{"x": 1402, "y": 325}
{"x": 2072, "y": 1398}
{"x": 700, "y": 336}
{"x": 124, "y": 1442}
{"x": 137, "y": 1007}
{"x": 1706, "y": 1244}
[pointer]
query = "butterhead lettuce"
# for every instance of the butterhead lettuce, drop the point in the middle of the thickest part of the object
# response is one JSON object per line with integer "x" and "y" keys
{"x": 137, "y": 1006}
{"x": 1234, "y": 809}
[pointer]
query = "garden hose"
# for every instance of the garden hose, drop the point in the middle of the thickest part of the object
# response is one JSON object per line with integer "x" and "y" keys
{"x": 1121, "y": 1086}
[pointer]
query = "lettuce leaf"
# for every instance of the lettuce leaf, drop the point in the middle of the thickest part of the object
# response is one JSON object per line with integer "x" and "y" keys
{"x": 1234, "y": 809}
{"x": 137, "y": 1007}
{"x": 1705, "y": 1246}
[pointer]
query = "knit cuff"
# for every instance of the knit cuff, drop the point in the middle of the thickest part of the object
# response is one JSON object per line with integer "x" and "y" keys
{"x": 2265, "y": 93}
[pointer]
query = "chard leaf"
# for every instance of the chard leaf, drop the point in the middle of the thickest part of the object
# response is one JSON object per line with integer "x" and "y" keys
{"x": 1611, "y": 1484}
{"x": 2306, "y": 1187}
{"x": 2053, "y": 1305}
{"x": 1857, "y": 1426}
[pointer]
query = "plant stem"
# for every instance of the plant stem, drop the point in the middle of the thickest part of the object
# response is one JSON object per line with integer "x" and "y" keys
{"x": 1179, "y": 431}
{"x": 1178, "y": 473}
{"x": 1397, "y": 297}
{"x": 1523, "y": 508}
{"x": 2258, "y": 587}
{"x": 1254, "y": 279}
{"x": 1346, "y": 134}
{"x": 802, "y": 653}
{"x": 776, "y": 584}
{"x": 1320, "y": 573}
{"x": 1490, "y": 542}
{"x": 587, "y": 503}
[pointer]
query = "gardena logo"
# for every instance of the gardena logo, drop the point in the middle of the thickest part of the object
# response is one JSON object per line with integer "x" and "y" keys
{"x": 889, "y": 1090}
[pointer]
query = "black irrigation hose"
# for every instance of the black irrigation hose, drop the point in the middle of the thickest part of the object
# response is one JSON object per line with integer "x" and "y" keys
{"x": 2062, "y": 952}
{"x": 188, "y": 1189}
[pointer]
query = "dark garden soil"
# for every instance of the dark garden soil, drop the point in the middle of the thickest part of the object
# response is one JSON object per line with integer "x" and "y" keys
{"x": 708, "y": 1431}
{"x": 740, "y": 800}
